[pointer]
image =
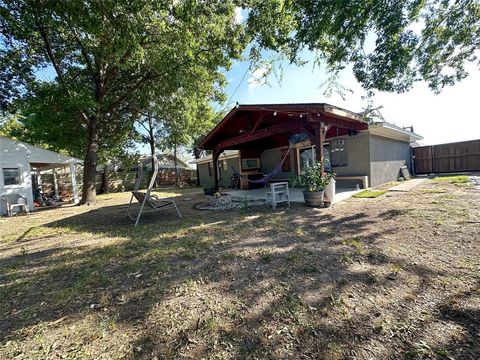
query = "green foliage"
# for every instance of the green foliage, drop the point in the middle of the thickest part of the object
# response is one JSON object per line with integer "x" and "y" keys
{"x": 370, "y": 193}
{"x": 314, "y": 178}
{"x": 111, "y": 60}
{"x": 380, "y": 38}
{"x": 453, "y": 179}
{"x": 10, "y": 127}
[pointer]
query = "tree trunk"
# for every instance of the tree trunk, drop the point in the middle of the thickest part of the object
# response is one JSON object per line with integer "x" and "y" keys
{"x": 177, "y": 183}
{"x": 196, "y": 154}
{"x": 89, "y": 194}
{"x": 105, "y": 179}
{"x": 151, "y": 140}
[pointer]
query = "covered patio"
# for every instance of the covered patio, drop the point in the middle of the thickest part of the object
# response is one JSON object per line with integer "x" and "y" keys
{"x": 262, "y": 136}
{"x": 296, "y": 195}
{"x": 22, "y": 166}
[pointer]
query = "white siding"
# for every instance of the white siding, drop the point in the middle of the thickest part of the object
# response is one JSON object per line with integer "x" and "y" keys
{"x": 14, "y": 155}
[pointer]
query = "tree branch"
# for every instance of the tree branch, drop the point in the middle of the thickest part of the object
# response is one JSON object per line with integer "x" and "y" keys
{"x": 50, "y": 54}
{"x": 55, "y": 64}
{"x": 84, "y": 53}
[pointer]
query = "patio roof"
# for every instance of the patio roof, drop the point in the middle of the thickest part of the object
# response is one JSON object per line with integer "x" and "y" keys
{"x": 393, "y": 131}
{"x": 37, "y": 157}
{"x": 269, "y": 125}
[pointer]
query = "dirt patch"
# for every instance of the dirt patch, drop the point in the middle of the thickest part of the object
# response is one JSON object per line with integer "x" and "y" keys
{"x": 395, "y": 277}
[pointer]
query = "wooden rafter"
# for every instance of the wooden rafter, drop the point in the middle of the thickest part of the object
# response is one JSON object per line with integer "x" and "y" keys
{"x": 259, "y": 122}
{"x": 260, "y": 134}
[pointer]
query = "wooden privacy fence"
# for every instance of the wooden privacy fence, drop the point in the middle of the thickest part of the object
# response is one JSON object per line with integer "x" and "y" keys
{"x": 444, "y": 158}
{"x": 125, "y": 180}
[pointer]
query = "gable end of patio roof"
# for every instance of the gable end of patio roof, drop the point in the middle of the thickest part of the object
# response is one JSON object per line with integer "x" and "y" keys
{"x": 249, "y": 123}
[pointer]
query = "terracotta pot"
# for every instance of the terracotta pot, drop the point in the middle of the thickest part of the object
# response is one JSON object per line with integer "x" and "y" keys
{"x": 313, "y": 199}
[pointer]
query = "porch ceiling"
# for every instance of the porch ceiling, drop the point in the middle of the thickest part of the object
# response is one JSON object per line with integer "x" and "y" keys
{"x": 46, "y": 166}
{"x": 267, "y": 126}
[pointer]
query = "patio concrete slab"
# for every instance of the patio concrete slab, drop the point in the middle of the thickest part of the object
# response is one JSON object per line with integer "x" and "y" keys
{"x": 408, "y": 185}
{"x": 296, "y": 195}
{"x": 475, "y": 181}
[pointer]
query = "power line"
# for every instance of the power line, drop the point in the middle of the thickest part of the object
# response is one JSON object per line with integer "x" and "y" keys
{"x": 236, "y": 89}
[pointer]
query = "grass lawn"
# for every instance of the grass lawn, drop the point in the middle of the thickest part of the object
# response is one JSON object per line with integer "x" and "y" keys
{"x": 369, "y": 193}
{"x": 453, "y": 179}
{"x": 392, "y": 278}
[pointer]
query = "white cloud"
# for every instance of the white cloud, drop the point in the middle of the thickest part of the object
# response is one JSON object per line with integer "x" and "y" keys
{"x": 238, "y": 15}
{"x": 258, "y": 77}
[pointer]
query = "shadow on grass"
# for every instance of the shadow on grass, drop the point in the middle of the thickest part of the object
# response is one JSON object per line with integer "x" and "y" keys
{"x": 252, "y": 284}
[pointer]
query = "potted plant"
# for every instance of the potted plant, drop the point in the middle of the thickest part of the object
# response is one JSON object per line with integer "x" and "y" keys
{"x": 313, "y": 182}
{"x": 209, "y": 190}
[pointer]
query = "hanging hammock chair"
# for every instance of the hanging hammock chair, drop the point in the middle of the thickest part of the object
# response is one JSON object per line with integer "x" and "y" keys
{"x": 147, "y": 201}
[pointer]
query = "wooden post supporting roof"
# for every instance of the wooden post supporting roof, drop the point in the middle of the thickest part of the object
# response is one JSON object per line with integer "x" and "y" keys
{"x": 318, "y": 144}
{"x": 215, "y": 156}
{"x": 320, "y": 134}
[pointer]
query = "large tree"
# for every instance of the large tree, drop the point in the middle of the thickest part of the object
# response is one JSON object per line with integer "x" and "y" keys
{"x": 175, "y": 122}
{"x": 391, "y": 44}
{"x": 109, "y": 56}
{"x": 112, "y": 56}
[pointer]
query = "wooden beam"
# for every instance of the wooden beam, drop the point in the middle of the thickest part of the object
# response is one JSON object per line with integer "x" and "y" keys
{"x": 259, "y": 122}
{"x": 320, "y": 134}
{"x": 355, "y": 125}
{"x": 318, "y": 144}
{"x": 261, "y": 134}
{"x": 215, "y": 155}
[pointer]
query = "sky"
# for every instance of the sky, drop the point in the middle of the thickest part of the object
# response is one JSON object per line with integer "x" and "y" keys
{"x": 447, "y": 117}
{"x": 440, "y": 118}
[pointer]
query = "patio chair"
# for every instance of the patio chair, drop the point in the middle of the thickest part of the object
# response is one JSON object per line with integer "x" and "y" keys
{"x": 146, "y": 199}
{"x": 278, "y": 193}
{"x": 12, "y": 202}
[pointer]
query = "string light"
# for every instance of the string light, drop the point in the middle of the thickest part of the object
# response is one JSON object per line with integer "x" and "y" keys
{"x": 288, "y": 113}
{"x": 237, "y": 105}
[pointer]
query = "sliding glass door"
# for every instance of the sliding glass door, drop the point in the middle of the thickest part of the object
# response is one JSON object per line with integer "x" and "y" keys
{"x": 306, "y": 158}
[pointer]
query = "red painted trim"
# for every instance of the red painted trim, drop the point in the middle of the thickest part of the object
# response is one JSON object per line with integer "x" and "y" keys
{"x": 260, "y": 134}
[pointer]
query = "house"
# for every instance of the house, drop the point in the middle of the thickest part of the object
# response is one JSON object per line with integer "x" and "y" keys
{"x": 166, "y": 169}
{"x": 19, "y": 161}
{"x": 252, "y": 140}
{"x": 165, "y": 162}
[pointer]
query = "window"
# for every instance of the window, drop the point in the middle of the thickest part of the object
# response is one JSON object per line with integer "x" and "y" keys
{"x": 339, "y": 156}
{"x": 307, "y": 156}
{"x": 11, "y": 176}
{"x": 221, "y": 164}
{"x": 250, "y": 164}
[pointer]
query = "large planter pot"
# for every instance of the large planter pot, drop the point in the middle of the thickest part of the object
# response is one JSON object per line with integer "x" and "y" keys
{"x": 330, "y": 191}
{"x": 313, "y": 199}
{"x": 209, "y": 191}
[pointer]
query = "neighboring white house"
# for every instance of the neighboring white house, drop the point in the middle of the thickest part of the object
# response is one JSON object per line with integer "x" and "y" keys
{"x": 19, "y": 159}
